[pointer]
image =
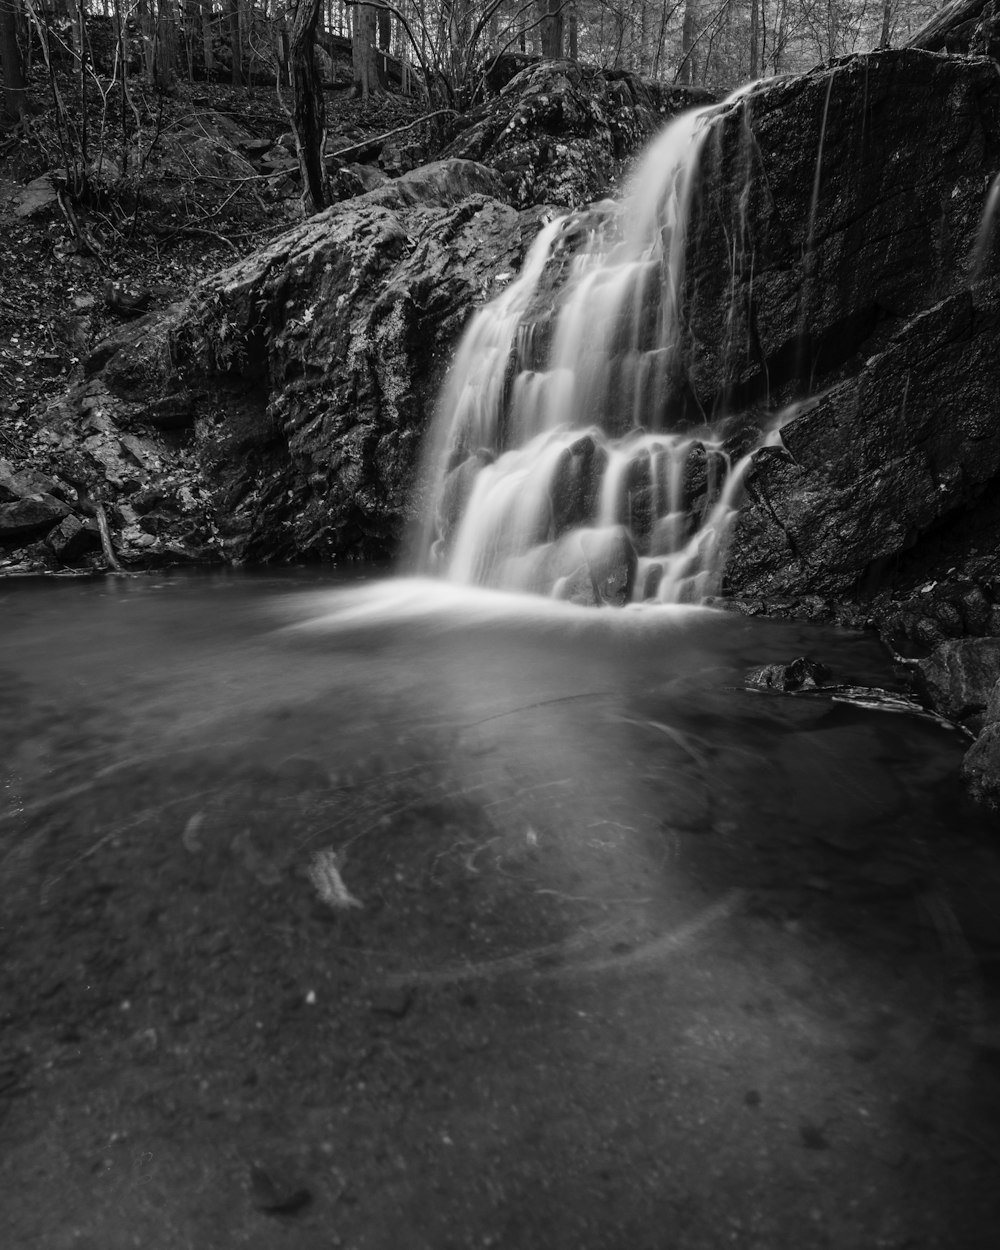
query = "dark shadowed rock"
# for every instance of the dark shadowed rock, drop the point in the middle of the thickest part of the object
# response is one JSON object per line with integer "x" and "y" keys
{"x": 172, "y": 412}
{"x": 981, "y": 766}
{"x": 72, "y": 538}
{"x": 31, "y": 515}
{"x": 876, "y": 462}
{"x": 801, "y": 674}
{"x": 19, "y": 482}
{"x": 965, "y": 26}
{"x": 324, "y": 353}
{"x": 960, "y": 676}
{"x": 559, "y": 131}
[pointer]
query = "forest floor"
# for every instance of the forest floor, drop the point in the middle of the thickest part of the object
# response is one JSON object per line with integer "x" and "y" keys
{"x": 192, "y": 219}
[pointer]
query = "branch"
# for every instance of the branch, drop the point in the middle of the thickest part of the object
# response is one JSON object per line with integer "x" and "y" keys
{"x": 109, "y": 551}
{"x": 367, "y": 143}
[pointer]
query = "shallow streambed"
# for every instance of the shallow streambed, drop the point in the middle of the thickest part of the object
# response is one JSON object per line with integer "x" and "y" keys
{"x": 614, "y": 952}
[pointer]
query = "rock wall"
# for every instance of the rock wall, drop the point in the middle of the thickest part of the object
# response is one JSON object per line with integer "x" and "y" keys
{"x": 853, "y": 287}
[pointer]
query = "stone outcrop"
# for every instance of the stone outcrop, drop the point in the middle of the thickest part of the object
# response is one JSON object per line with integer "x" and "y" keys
{"x": 559, "y": 131}
{"x": 286, "y": 398}
{"x": 322, "y": 355}
{"x": 981, "y": 766}
{"x": 966, "y": 26}
{"x": 857, "y": 272}
{"x": 959, "y": 677}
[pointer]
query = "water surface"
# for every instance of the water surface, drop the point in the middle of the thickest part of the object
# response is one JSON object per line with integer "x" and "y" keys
{"x": 626, "y": 953}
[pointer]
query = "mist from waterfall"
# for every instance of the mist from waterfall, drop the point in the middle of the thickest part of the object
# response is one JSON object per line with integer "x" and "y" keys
{"x": 564, "y": 459}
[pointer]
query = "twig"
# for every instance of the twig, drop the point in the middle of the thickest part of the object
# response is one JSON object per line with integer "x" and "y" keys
{"x": 196, "y": 231}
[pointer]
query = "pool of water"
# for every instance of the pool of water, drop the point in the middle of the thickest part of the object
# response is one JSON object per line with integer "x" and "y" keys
{"x": 487, "y": 920}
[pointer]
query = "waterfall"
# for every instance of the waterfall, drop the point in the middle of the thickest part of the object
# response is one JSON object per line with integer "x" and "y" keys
{"x": 564, "y": 459}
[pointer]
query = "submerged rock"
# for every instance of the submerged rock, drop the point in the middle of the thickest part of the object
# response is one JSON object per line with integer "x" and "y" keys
{"x": 611, "y": 563}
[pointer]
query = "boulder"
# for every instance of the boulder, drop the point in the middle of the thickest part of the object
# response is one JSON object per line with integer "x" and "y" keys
{"x": 801, "y": 674}
{"x": 325, "y": 352}
{"x": 73, "y": 538}
{"x": 17, "y": 482}
{"x": 38, "y": 197}
{"x": 963, "y": 26}
{"x": 960, "y": 675}
{"x": 981, "y": 766}
{"x": 33, "y": 514}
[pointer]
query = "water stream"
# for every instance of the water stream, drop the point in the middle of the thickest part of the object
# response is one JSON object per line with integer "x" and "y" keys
{"x": 562, "y": 461}
{"x": 516, "y": 922}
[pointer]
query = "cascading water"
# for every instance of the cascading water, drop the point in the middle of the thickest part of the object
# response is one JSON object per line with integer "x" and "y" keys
{"x": 564, "y": 460}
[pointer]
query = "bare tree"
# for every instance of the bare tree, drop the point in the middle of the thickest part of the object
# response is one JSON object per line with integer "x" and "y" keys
{"x": 551, "y": 19}
{"x": 308, "y": 105}
{"x": 367, "y": 80}
{"x": 235, "y": 42}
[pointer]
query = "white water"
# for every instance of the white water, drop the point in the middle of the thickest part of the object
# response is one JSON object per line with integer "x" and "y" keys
{"x": 561, "y": 462}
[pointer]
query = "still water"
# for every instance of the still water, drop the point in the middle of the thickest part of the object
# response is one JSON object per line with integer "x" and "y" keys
{"x": 465, "y": 918}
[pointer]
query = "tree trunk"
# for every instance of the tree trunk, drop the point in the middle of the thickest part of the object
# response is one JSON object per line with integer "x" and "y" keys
{"x": 366, "y": 76}
{"x": 886, "y": 24}
{"x": 206, "y": 36}
{"x": 754, "y": 39}
{"x": 689, "y": 31}
{"x": 780, "y": 38}
{"x": 552, "y": 28}
{"x": 235, "y": 43}
{"x": 147, "y": 32}
{"x": 166, "y": 44}
{"x": 308, "y": 106}
{"x": 15, "y": 100}
{"x": 573, "y": 24}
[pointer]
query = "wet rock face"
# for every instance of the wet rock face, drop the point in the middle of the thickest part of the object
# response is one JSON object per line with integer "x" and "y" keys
{"x": 861, "y": 281}
{"x": 879, "y": 461}
{"x": 853, "y": 196}
{"x": 559, "y": 132}
{"x": 960, "y": 676}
